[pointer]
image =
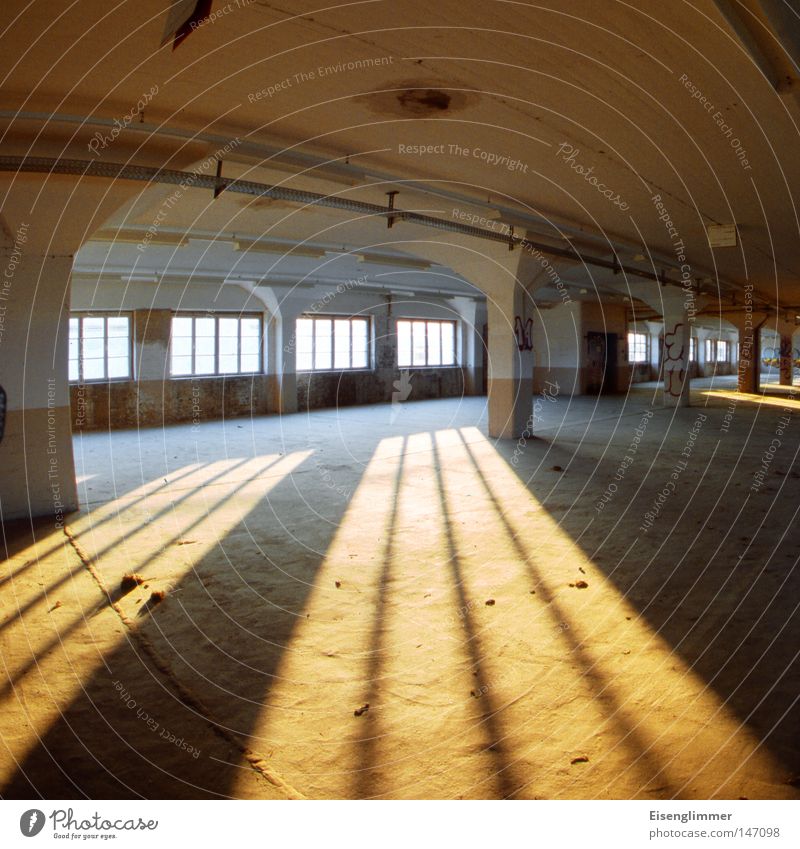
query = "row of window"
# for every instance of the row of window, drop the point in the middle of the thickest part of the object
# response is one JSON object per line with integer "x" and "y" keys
{"x": 716, "y": 350}
{"x": 203, "y": 345}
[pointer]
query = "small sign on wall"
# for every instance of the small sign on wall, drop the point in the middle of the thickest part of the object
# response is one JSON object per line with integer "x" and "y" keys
{"x": 722, "y": 235}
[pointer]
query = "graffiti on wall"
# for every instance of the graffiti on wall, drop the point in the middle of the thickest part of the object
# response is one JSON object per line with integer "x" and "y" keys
{"x": 524, "y": 333}
{"x": 674, "y": 362}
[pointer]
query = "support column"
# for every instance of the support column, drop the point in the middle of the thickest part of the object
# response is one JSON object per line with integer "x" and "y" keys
{"x": 281, "y": 355}
{"x": 510, "y": 369}
{"x": 287, "y": 356}
{"x": 676, "y": 353}
{"x": 749, "y": 372}
{"x": 38, "y": 474}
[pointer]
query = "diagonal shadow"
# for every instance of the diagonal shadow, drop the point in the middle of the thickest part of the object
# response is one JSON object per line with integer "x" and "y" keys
{"x": 507, "y": 783}
{"x": 368, "y": 748}
{"x": 718, "y": 578}
{"x": 99, "y": 747}
{"x": 590, "y": 671}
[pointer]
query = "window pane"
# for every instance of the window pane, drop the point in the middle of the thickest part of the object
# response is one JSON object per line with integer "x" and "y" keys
{"x": 322, "y": 343}
{"x": 228, "y": 347}
{"x": 229, "y": 328}
{"x": 118, "y": 326}
{"x": 434, "y": 344}
{"x": 93, "y": 348}
{"x": 251, "y": 362}
{"x": 418, "y": 332}
{"x": 251, "y": 345}
{"x": 94, "y": 327}
{"x": 182, "y": 346}
{"x": 637, "y": 348}
{"x": 360, "y": 343}
{"x": 118, "y": 367}
{"x": 404, "y": 343}
{"x": 181, "y": 365}
{"x": 93, "y": 370}
{"x": 204, "y": 364}
{"x": 205, "y": 346}
{"x": 228, "y": 363}
{"x": 205, "y": 327}
{"x": 74, "y": 330}
{"x": 118, "y": 346}
{"x": 181, "y": 326}
{"x": 448, "y": 343}
{"x": 341, "y": 335}
{"x": 251, "y": 328}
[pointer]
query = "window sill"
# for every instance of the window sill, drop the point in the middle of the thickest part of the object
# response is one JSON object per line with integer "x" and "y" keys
{"x": 101, "y": 381}
{"x": 336, "y": 371}
{"x": 428, "y": 368}
{"x": 215, "y": 376}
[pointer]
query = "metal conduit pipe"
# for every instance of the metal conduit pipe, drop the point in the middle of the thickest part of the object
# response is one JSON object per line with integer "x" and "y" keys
{"x": 120, "y": 171}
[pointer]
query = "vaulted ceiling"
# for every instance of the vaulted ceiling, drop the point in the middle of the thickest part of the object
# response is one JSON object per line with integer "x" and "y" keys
{"x": 565, "y": 119}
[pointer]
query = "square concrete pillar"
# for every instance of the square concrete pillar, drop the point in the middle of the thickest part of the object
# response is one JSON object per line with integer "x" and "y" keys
{"x": 510, "y": 369}
{"x": 38, "y": 477}
{"x": 676, "y": 354}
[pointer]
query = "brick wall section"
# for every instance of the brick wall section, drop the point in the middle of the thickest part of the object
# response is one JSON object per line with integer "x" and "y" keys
{"x": 155, "y": 399}
{"x": 346, "y": 388}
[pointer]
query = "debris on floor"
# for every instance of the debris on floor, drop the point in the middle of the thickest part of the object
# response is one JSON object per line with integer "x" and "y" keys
{"x": 130, "y": 582}
{"x": 360, "y": 711}
{"x": 489, "y": 602}
{"x": 580, "y": 585}
{"x": 581, "y": 759}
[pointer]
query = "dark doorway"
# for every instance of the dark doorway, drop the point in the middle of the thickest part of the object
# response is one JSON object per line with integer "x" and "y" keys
{"x": 601, "y": 363}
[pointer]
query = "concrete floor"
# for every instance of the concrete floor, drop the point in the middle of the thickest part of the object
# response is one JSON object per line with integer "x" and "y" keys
{"x": 396, "y": 557}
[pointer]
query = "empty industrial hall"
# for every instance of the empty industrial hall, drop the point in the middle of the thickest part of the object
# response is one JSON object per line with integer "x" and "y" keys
{"x": 399, "y": 401}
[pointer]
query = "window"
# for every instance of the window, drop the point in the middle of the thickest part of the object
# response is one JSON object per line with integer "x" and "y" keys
{"x": 637, "y": 348}
{"x": 710, "y": 351}
{"x": 332, "y": 342}
{"x": 722, "y": 351}
{"x": 99, "y": 347}
{"x": 215, "y": 344}
{"x": 426, "y": 343}
{"x": 693, "y": 349}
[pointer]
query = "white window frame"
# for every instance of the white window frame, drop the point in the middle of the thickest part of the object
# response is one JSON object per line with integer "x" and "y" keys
{"x": 216, "y": 317}
{"x": 80, "y": 316}
{"x": 711, "y": 350}
{"x": 692, "y": 349}
{"x": 429, "y": 322}
{"x": 722, "y": 346}
{"x": 633, "y": 336}
{"x": 333, "y": 318}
